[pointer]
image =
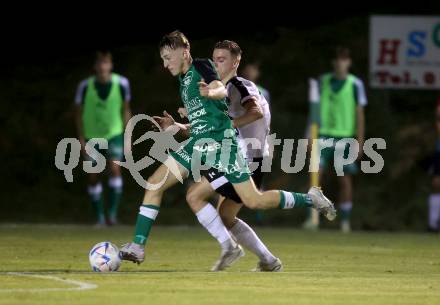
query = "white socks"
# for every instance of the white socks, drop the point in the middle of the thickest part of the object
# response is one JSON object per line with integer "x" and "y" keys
{"x": 210, "y": 219}
{"x": 95, "y": 191}
{"x": 346, "y": 206}
{"x": 116, "y": 183}
{"x": 246, "y": 237}
{"x": 149, "y": 211}
{"x": 289, "y": 200}
{"x": 434, "y": 211}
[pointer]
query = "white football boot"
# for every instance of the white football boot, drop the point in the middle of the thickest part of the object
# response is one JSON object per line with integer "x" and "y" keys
{"x": 275, "y": 266}
{"x": 227, "y": 258}
{"x": 322, "y": 203}
{"x": 132, "y": 252}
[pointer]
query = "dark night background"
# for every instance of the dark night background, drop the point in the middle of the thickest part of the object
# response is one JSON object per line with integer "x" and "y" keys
{"x": 43, "y": 58}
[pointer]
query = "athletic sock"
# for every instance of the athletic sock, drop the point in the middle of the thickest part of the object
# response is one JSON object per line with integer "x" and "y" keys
{"x": 289, "y": 200}
{"x": 345, "y": 208}
{"x": 147, "y": 215}
{"x": 246, "y": 237}
{"x": 95, "y": 194}
{"x": 211, "y": 221}
{"x": 115, "y": 194}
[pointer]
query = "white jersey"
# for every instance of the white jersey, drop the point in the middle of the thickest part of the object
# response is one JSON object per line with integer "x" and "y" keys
{"x": 241, "y": 90}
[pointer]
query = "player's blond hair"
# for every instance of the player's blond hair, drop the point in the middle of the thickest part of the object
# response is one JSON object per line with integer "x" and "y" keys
{"x": 174, "y": 40}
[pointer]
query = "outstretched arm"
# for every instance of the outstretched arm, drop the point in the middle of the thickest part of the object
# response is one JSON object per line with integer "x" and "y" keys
{"x": 168, "y": 122}
{"x": 215, "y": 90}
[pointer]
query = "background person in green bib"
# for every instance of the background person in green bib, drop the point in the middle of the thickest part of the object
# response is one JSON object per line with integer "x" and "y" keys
{"x": 341, "y": 105}
{"x": 102, "y": 111}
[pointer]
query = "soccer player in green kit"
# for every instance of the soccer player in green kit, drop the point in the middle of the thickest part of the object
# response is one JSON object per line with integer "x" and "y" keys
{"x": 203, "y": 95}
{"x": 102, "y": 111}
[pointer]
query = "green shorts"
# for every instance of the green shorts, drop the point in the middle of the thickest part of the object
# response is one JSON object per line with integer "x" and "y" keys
{"x": 114, "y": 152}
{"x": 232, "y": 163}
{"x": 328, "y": 157}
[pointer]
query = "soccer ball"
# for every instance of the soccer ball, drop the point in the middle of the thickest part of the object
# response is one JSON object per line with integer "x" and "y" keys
{"x": 104, "y": 257}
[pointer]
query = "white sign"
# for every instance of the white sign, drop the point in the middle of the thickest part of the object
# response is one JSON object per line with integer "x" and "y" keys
{"x": 405, "y": 52}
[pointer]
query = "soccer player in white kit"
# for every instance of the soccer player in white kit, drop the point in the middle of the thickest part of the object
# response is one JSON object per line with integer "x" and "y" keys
{"x": 250, "y": 116}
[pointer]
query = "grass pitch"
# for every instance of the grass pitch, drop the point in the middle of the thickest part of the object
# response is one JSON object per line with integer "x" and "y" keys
{"x": 49, "y": 265}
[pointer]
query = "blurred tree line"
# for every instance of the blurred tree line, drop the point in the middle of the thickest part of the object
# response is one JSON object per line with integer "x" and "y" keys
{"x": 37, "y": 100}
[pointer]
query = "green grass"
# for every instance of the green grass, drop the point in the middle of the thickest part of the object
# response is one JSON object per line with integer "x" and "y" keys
{"x": 320, "y": 268}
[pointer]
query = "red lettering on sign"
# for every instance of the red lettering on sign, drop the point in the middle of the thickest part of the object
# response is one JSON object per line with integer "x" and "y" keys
{"x": 382, "y": 75}
{"x": 429, "y": 78}
{"x": 388, "y": 51}
{"x": 395, "y": 79}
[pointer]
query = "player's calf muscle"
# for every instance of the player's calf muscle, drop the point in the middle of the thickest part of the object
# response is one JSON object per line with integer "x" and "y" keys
{"x": 262, "y": 201}
{"x": 254, "y": 199}
{"x": 228, "y": 217}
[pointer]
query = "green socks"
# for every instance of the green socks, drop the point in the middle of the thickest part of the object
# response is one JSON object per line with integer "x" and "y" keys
{"x": 289, "y": 200}
{"x": 345, "y": 210}
{"x": 95, "y": 193}
{"x": 115, "y": 194}
{"x": 147, "y": 215}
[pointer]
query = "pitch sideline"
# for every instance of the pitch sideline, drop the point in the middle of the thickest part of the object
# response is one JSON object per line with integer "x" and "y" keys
{"x": 80, "y": 285}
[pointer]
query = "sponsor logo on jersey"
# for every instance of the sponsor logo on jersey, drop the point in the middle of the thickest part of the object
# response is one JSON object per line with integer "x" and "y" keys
{"x": 197, "y": 121}
{"x": 207, "y": 147}
{"x": 193, "y": 104}
{"x": 187, "y": 79}
{"x": 230, "y": 168}
{"x": 184, "y": 155}
{"x": 196, "y": 114}
{"x": 185, "y": 83}
{"x": 196, "y": 130}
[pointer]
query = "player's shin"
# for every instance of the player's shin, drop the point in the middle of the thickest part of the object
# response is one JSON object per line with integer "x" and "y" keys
{"x": 211, "y": 221}
{"x": 289, "y": 200}
{"x": 345, "y": 214}
{"x": 246, "y": 237}
{"x": 147, "y": 215}
{"x": 115, "y": 194}
{"x": 95, "y": 193}
{"x": 314, "y": 198}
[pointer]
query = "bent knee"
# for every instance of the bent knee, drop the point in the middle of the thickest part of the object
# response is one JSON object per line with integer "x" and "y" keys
{"x": 191, "y": 197}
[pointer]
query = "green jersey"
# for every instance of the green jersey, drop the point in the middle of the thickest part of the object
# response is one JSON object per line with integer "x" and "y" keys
{"x": 209, "y": 126}
{"x": 102, "y": 106}
{"x": 208, "y": 118}
{"x": 338, "y": 102}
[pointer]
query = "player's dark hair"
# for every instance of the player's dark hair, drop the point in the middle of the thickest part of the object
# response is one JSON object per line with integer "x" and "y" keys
{"x": 103, "y": 55}
{"x": 341, "y": 53}
{"x": 174, "y": 40}
{"x": 229, "y": 45}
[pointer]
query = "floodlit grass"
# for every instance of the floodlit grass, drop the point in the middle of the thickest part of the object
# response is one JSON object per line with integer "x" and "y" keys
{"x": 319, "y": 268}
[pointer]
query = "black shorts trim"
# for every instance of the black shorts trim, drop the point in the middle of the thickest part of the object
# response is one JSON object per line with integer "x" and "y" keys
{"x": 223, "y": 187}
